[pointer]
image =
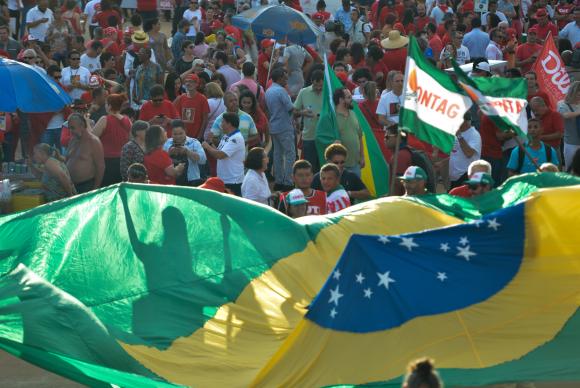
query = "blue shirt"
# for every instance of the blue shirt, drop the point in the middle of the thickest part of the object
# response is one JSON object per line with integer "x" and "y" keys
{"x": 247, "y": 126}
{"x": 344, "y": 17}
{"x": 176, "y": 43}
{"x": 280, "y": 107}
{"x": 476, "y": 42}
{"x": 538, "y": 155}
{"x": 192, "y": 165}
{"x": 571, "y": 32}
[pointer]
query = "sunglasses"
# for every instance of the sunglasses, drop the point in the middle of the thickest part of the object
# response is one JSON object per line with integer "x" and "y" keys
{"x": 157, "y": 100}
{"x": 75, "y": 59}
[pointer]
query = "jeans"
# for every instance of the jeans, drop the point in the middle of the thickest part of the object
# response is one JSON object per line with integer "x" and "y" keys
{"x": 284, "y": 157}
{"x": 310, "y": 153}
{"x": 51, "y": 136}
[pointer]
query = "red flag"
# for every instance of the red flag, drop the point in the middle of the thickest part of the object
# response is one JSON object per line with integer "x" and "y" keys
{"x": 551, "y": 72}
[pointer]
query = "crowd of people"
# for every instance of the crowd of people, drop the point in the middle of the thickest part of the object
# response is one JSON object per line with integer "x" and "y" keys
{"x": 213, "y": 106}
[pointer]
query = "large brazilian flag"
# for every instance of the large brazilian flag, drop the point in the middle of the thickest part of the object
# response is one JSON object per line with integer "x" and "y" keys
{"x": 143, "y": 285}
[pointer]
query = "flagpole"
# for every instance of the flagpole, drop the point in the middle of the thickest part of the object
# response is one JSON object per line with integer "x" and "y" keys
{"x": 395, "y": 163}
{"x": 523, "y": 148}
{"x": 270, "y": 63}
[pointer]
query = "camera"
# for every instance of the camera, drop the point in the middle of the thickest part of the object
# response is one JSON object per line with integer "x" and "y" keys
{"x": 334, "y": 26}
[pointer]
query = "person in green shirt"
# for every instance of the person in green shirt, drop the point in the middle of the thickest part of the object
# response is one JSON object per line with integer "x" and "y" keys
{"x": 308, "y": 105}
{"x": 349, "y": 130}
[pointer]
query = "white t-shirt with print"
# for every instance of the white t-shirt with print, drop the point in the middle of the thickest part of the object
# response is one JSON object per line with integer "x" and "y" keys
{"x": 231, "y": 169}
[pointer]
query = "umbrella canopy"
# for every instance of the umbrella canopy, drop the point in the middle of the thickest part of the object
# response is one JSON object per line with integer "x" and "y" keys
{"x": 278, "y": 22}
{"x": 28, "y": 89}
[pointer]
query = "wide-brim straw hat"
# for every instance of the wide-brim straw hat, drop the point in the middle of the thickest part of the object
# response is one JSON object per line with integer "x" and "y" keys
{"x": 395, "y": 40}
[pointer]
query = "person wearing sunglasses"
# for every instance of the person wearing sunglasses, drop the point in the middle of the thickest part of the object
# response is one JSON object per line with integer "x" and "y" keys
{"x": 158, "y": 110}
{"x": 75, "y": 78}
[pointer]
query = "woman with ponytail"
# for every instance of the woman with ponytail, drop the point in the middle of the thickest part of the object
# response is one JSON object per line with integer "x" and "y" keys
{"x": 53, "y": 173}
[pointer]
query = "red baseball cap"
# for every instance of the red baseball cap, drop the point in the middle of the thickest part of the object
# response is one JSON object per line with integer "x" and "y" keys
{"x": 265, "y": 43}
{"x": 318, "y": 16}
{"x": 343, "y": 76}
{"x": 192, "y": 77}
{"x": 533, "y": 29}
{"x": 541, "y": 13}
{"x": 215, "y": 184}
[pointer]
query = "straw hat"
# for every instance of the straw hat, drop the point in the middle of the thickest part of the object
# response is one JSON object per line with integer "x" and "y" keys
{"x": 140, "y": 37}
{"x": 395, "y": 40}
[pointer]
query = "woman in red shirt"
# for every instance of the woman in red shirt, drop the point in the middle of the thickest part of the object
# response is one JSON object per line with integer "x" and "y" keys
{"x": 159, "y": 165}
{"x": 114, "y": 130}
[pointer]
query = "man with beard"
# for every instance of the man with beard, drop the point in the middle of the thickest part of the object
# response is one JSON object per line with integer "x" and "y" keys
{"x": 349, "y": 130}
{"x": 85, "y": 159}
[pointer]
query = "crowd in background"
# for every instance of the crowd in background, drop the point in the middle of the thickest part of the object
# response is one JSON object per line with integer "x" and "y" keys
{"x": 211, "y": 105}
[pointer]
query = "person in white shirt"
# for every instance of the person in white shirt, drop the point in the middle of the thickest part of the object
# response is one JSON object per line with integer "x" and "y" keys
{"x": 91, "y": 59}
{"x": 492, "y": 8}
{"x": 391, "y": 102}
{"x": 194, "y": 16}
{"x": 75, "y": 78}
{"x": 255, "y": 185}
{"x": 466, "y": 149}
{"x": 89, "y": 13}
{"x": 336, "y": 196}
{"x": 461, "y": 52}
{"x": 493, "y": 50}
{"x": 572, "y": 30}
{"x": 38, "y": 19}
{"x": 230, "y": 153}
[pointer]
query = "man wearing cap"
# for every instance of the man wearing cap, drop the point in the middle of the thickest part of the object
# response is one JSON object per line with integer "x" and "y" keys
{"x": 476, "y": 40}
{"x": 296, "y": 203}
{"x": 466, "y": 149}
{"x": 479, "y": 183}
{"x": 91, "y": 58}
{"x": 264, "y": 58}
{"x": 158, "y": 110}
{"x": 230, "y": 153}
{"x": 391, "y": 102}
{"x": 545, "y": 26}
{"x": 75, "y": 78}
{"x": 572, "y": 30}
{"x": 527, "y": 53}
{"x": 477, "y": 166}
{"x": 39, "y": 19}
{"x": 414, "y": 180}
{"x": 192, "y": 107}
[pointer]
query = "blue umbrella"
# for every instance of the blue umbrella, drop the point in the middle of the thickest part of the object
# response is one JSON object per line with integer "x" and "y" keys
{"x": 28, "y": 89}
{"x": 278, "y": 22}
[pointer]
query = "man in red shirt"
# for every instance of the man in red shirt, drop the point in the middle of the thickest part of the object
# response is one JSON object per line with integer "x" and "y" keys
{"x": 544, "y": 25}
{"x": 422, "y": 19}
{"x": 527, "y": 53}
{"x": 552, "y": 123}
{"x": 564, "y": 13}
{"x": 192, "y": 108}
{"x": 477, "y": 166}
{"x": 534, "y": 90}
{"x": 158, "y": 110}
{"x": 395, "y": 51}
{"x": 303, "y": 176}
{"x": 492, "y": 139}
{"x": 435, "y": 41}
{"x": 264, "y": 60}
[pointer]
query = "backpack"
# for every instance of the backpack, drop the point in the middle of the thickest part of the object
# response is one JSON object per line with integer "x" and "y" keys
{"x": 522, "y": 155}
{"x": 420, "y": 159}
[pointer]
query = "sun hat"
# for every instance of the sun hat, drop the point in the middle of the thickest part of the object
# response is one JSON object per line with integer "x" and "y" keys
{"x": 395, "y": 40}
{"x": 140, "y": 37}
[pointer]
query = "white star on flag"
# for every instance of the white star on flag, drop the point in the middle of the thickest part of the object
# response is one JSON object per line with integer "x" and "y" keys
{"x": 360, "y": 278}
{"x": 384, "y": 239}
{"x": 408, "y": 243}
{"x": 464, "y": 240}
{"x": 493, "y": 224}
{"x": 335, "y": 295}
{"x": 368, "y": 293}
{"x": 385, "y": 279}
{"x": 442, "y": 276}
{"x": 465, "y": 252}
{"x": 478, "y": 223}
{"x": 333, "y": 313}
{"x": 336, "y": 274}
{"x": 444, "y": 247}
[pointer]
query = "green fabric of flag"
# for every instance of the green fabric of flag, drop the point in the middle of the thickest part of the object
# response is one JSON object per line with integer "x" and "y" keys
{"x": 503, "y": 100}
{"x": 434, "y": 104}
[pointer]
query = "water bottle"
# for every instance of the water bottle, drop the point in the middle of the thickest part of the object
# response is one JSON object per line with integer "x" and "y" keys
{"x": 5, "y": 196}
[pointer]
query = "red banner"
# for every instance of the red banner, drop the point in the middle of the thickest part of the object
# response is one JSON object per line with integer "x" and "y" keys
{"x": 551, "y": 72}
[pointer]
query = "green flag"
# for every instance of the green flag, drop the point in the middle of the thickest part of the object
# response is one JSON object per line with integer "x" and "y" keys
{"x": 434, "y": 104}
{"x": 503, "y": 100}
{"x": 375, "y": 173}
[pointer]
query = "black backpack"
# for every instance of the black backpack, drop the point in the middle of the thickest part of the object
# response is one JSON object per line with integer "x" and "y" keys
{"x": 522, "y": 155}
{"x": 420, "y": 159}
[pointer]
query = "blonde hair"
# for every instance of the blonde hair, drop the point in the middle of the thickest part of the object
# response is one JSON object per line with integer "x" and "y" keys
{"x": 213, "y": 90}
{"x": 479, "y": 163}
